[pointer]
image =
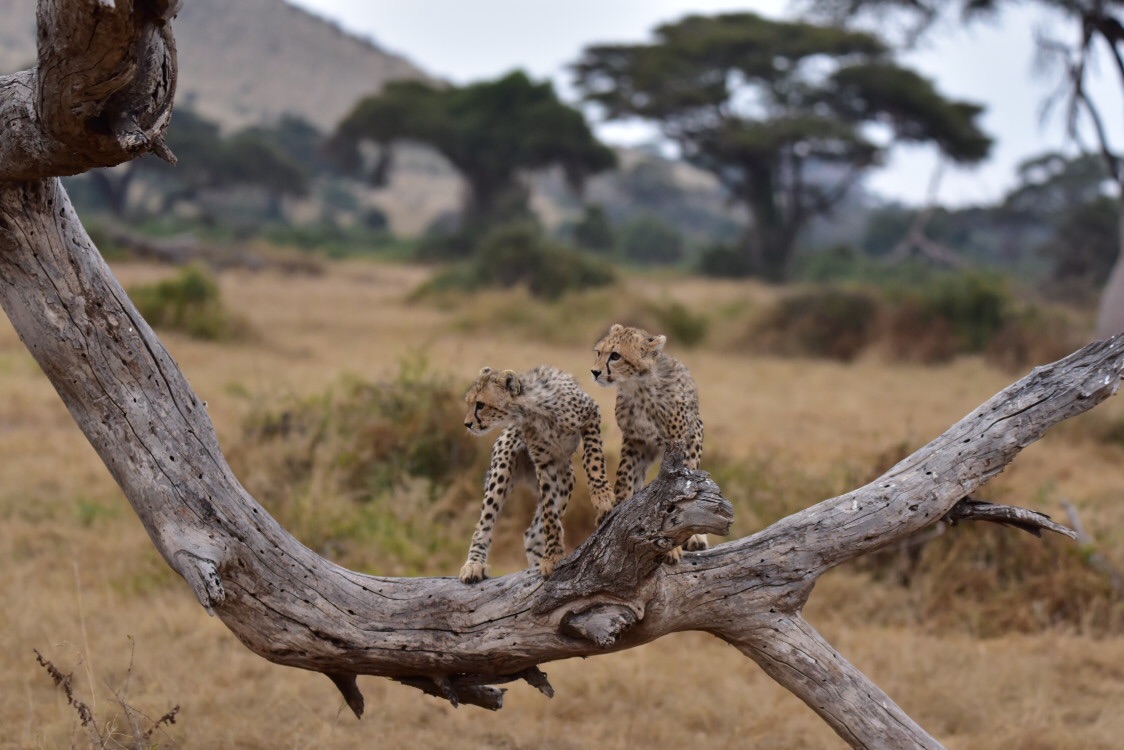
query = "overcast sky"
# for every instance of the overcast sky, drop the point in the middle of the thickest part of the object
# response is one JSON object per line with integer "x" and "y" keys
{"x": 990, "y": 63}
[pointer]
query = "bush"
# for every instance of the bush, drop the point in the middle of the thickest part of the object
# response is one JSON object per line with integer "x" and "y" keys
{"x": 332, "y": 239}
{"x": 835, "y": 263}
{"x": 725, "y": 261}
{"x": 517, "y": 253}
{"x": 682, "y": 326}
{"x": 993, "y": 580}
{"x": 377, "y": 474}
{"x": 648, "y": 239}
{"x": 930, "y": 319}
{"x": 821, "y": 322}
{"x": 190, "y": 303}
{"x": 593, "y": 231}
{"x": 973, "y": 304}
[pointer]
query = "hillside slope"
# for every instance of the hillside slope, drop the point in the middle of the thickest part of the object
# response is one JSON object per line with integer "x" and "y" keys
{"x": 249, "y": 61}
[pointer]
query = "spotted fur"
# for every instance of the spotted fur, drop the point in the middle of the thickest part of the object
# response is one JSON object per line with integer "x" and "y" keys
{"x": 543, "y": 414}
{"x": 657, "y": 402}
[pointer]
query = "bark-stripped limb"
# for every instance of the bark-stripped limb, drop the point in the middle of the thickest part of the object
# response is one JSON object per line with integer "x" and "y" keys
{"x": 1030, "y": 521}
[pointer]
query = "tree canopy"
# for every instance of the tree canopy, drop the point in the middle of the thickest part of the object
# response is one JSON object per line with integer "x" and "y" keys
{"x": 1095, "y": 21}
{"x": 257, "y": 157}
{"x": 490, "y": 132}
{"x": 788, "y": 115}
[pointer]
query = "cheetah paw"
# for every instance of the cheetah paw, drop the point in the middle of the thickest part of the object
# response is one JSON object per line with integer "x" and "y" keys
{"x": 546, "y": 566}
{"x": 673, "y": 557}
{"x": 473, "y": 572}
{"x": 696, "y": 543}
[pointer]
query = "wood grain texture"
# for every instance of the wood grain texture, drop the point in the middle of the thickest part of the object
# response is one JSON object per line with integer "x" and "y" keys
{"x": 100, "y": 95}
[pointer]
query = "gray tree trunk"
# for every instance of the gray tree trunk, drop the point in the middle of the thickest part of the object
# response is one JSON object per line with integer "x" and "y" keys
{"x": 1110, "y": 313}
{"x": 100, "y": 95}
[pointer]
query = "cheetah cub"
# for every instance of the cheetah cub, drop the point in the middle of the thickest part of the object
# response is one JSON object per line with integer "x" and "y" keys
{"x": 657, "y": 402}
{"x": 543, "y": 413}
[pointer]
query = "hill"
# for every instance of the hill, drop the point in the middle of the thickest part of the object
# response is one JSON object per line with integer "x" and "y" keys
{"x": 251, "y": 61}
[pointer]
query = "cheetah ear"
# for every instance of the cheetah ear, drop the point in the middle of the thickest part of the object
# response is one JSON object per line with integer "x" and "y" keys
{"x": 616, "y": 328}
{"x": 654, "y": 344}
{"x": 511, "y": 382}
{"x": 485, "y": 370}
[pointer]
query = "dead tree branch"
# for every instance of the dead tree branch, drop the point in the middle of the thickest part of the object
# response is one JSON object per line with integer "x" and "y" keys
{"x": 294, "y": 608}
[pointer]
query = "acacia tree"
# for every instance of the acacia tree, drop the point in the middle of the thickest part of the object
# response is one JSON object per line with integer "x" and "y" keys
{"x": 779, "y": 111}
{"x": 249, "y": 158}
{"x": 101, "y": 94}
{"x": 1094, "y": 21}
{"x": 490, "y": 132}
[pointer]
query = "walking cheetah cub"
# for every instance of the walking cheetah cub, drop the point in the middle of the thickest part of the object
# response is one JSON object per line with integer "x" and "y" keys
{"x": 544, "y": 413}
{"x": 657, "y": 402}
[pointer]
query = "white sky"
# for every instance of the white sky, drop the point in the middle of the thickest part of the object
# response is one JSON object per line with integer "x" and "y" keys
{"x": 990, "y": 63}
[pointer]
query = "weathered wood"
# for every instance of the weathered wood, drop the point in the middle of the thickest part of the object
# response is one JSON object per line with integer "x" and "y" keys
{"x": 448, "y": 639}
{"x": 1030, "y": 521}
{"x": 100, "y": 95}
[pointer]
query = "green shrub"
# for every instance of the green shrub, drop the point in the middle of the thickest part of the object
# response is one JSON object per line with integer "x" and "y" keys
{"x": 189, "y": 302}
{"x": 681, "y": 325}
{"x": 1034, "y": 335}
{"x": 517, "y": 253}
{"x": 821, "y": 322}
{"x": 376, "y": 474}
{"x": 835, "y": 263}
{"x": 593, "y": 231}
{"x": 929, "y": 318}
{"x": 973, "y": 304}
{"x": 725, "y": 261}
{"x": 330, "y": 238}
{"x": 648, "y": 239}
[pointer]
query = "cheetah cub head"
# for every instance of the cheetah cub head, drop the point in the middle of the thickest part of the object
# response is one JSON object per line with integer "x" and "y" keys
{"x": 491, "y": 400}
{"x": 625, "y": 353}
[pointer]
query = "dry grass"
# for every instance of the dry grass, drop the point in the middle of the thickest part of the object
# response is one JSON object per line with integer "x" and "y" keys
{"x": 81, "y": 576}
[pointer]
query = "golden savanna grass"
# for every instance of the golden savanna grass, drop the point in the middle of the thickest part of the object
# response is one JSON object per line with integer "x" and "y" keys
{"x": 81, "y": 577}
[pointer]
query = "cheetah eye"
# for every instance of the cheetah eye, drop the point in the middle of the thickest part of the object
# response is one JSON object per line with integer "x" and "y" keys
{"x": 479, "y": 405}
{"x": 614, "y": 356}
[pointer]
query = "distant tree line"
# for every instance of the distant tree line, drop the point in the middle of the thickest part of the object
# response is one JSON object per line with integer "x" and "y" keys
{"x": 788, "y": 116}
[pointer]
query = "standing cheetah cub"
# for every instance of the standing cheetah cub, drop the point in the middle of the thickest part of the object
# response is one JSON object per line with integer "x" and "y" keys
{"x": 657, "y": 402}
{"x": 544, "y": 413}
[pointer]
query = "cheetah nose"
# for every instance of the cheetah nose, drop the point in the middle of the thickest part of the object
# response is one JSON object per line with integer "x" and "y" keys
{"x": 596, "y": 373}
{"x": 468, "y": 425}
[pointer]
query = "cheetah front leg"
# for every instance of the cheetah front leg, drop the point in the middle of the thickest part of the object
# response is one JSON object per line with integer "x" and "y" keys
{"x": 593, "y": 462}
{"x": 556, "y": 483}
{"x": 497, "y": 488}
{"x": 636, "y": 457}
{"x": 694, "y": 458}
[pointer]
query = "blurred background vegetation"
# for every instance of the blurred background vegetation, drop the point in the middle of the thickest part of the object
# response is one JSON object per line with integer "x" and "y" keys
{"x": 772, "y": 126}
